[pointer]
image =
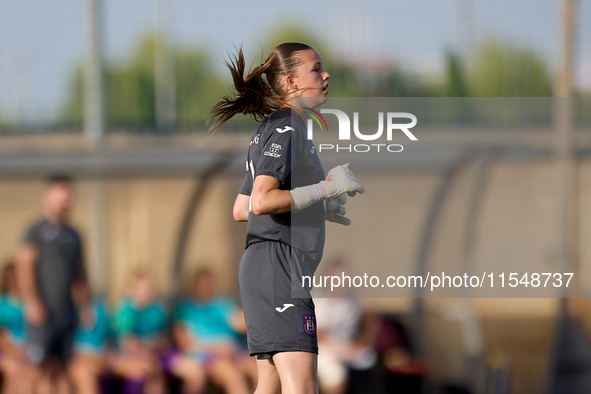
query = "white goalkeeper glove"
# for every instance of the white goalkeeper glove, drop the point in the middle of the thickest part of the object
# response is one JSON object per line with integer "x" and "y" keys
{"x": 338, "y": 181}
{"x": 335, "y": 210}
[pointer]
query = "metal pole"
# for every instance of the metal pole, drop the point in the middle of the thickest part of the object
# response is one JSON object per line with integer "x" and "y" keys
{"x": 464, "y": 27}
{"x": 94, "y": 123}
{"x": 94, "y": 127}
{"x": 164, "y": 68}
{"x": 564, "y": 136}
{"x": 566, "y": 176}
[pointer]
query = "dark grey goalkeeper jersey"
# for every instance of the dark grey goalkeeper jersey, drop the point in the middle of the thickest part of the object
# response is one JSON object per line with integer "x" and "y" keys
{"x": 280, "y": 149}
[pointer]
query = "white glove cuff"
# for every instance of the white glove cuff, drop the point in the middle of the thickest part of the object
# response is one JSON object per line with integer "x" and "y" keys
{"x": 303, "y": 197}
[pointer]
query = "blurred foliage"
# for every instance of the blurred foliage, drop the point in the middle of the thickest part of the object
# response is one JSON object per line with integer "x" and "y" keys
{"x": 73, "y": 110}
{"x": 495, "y": 70}
{"x": 130, "y": 89}
{"x": 503, "y": 70}
{"x": 454, "y": 83}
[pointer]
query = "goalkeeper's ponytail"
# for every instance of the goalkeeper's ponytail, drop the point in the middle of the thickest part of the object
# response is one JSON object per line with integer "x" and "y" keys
{"x": 254, "y": 94}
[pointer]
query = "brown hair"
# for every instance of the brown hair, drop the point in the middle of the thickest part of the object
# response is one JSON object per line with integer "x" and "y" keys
{"x": 200, "y": 273}
{"x": 56, "y": 179}
{"x": 252, "y": 94}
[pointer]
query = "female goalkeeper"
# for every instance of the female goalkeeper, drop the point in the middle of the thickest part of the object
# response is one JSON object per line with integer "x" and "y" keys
{"x": 282, "y": 199}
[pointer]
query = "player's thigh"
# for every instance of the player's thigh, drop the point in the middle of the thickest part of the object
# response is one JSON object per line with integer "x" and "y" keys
{"x": 268, "y": 378}
{"x": 224, "y": 371}
{"x": 187, "y": 368}
{"x": 297, "y": 371}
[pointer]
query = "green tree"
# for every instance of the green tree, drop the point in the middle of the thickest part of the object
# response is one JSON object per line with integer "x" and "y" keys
{"x": 503, "y": 70}
{"x": 130, "y": 89}
{"x": 455, "y": 84}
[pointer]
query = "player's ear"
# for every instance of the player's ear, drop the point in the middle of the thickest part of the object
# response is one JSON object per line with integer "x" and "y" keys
{"x": 291, "y": 83}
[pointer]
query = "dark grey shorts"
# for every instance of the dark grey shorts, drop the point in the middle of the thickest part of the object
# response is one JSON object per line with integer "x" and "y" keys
{"x": 53, "y": 339}
{"x": 276, "y": 321}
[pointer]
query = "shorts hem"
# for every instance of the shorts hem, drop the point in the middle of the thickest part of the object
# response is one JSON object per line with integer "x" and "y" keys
{"x": 306, "y": 349}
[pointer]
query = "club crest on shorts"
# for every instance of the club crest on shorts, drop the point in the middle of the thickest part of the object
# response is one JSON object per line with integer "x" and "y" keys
{"x": 309, "y": 324}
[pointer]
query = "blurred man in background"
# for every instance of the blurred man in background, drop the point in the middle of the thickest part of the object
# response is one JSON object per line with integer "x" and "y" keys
{"x": 49, "y": 264}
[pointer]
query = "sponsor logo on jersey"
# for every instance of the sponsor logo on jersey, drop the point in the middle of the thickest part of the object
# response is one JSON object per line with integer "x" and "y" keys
{"x": 312, "y": 149}
{"x": 285, "y": 306}
{"x": 286, "y": 128}
{"x": 309, "y": 324}
{"x": 274, "y": 151}
{"x": 255, "y": 139}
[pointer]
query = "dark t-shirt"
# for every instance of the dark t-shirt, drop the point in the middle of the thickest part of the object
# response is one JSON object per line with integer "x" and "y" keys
{"x": 280, "y": 149}
{"x": 60, "y": 256}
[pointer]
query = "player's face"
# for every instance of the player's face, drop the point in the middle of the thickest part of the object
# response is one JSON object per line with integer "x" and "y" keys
{"x": 203, "y": 287}
{"x": 311, "y": 79}
{"x": 142, "y": 290}
{"x": 58, "y": 200}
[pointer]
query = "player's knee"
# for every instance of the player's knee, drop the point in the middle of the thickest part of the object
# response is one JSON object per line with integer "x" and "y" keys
{"x": 194, "y": 383}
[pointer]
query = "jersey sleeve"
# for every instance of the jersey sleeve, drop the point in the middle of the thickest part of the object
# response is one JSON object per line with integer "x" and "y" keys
{"x": 246, "y": 187}
{"x": 162, "y": 317}
{"x": 124, "y": 319}
{"x": 276, "y": 154}
{"x": 227, "y": 306}
{"x": 33, "y": 235}
{"x": 2, "y": 312}
{"x": 103, "y": 320}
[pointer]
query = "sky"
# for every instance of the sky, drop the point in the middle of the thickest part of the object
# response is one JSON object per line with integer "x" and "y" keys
{"x": 41, "y": 41}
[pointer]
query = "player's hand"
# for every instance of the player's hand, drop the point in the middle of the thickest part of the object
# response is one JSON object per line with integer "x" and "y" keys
{"x": 341, "y": 180}
{"x": 335, "y": 210}
{"x": 35, "y": 313}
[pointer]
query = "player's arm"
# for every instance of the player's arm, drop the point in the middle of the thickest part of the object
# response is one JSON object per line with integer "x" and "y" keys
{"x": 81, "y": 278}
{"x": 7, "y": 346}
{"x": 339, "y": 180}
{"x": 242, "y": 203}
{"x": 240, "y": 210}
{"x": 237, "y": 321}
{"x": 26, "y": 259}
{"x": 182, "y": 338}
{"x": 80, "y": 292}
{"x": 273, "y": 168}
{"x": 267, "y": 199}
{"x": 80, "y": 287}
